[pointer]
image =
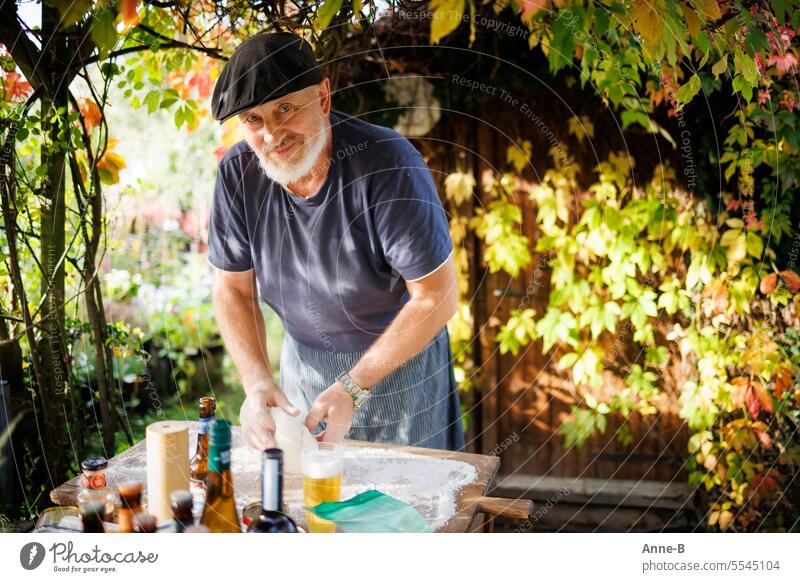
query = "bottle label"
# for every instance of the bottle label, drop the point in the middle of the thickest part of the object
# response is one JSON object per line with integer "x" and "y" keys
{"x": 96, "y": 481}
{"x": 271, "y": 485}
{"x": 219, "y": 459}
{"x": 205, "y": 423}
{"x": 198, "y": 490}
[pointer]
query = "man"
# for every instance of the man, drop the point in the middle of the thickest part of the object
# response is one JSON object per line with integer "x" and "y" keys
{"x": 339, "y": 223}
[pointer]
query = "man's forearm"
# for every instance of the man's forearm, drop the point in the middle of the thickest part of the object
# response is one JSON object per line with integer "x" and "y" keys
{"x": 415, "y": 325}
{"x": 242, "y": 328}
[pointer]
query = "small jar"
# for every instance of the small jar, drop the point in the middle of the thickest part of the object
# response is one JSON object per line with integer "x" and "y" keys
{"x": 94, "y": 487}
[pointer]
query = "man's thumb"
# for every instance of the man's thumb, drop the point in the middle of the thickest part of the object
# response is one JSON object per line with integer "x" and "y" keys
{"x": 286, "y": 406}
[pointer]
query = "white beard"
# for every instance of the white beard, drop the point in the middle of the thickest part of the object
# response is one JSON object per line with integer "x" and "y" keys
{"x": 286, "y": 172}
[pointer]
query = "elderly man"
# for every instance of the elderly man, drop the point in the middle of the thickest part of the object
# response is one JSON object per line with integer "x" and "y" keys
{"x": 338, "y": 222}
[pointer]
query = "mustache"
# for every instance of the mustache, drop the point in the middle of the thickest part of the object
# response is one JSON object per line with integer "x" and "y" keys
{"x": 286, "y": 142}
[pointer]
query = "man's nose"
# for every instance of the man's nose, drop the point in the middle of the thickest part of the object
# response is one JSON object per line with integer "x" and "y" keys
{"x": 270, "y": 135}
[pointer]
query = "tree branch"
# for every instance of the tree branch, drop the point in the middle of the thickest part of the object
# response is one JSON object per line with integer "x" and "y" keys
{"x": 31, "y": 61}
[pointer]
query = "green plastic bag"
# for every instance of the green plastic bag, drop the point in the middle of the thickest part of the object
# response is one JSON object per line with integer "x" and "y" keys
{"x": 372, "y": 512}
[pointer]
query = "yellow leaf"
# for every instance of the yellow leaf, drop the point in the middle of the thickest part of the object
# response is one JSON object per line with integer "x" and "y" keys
{"x": 518, "y": 158}
{"x": 648, "y": 21}
{"x": 692, "y": 20}
{"x": 447, "y": 15}
{"x": 711, "y": 9}
{"x": 725, "y": 519}
{"x": 458, "y": 187}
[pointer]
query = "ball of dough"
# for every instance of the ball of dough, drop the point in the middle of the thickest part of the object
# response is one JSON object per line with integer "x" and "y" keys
{"x": 292, "y": 437}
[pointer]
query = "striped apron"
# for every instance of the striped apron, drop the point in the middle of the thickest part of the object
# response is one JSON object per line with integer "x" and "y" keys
{"x": 416, "y": 405}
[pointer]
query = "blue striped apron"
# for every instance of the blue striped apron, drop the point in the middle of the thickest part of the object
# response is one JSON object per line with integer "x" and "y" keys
{"x": 416, "y": 405}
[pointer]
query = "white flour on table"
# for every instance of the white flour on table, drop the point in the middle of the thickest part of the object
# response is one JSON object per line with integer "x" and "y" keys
{"x": 427, "y": 483}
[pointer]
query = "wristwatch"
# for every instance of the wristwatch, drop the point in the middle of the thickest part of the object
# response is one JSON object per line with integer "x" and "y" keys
{"x": 356, "y": 392}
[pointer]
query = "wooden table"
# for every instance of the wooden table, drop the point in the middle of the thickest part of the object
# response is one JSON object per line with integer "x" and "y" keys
{"x": 131, "y": 464}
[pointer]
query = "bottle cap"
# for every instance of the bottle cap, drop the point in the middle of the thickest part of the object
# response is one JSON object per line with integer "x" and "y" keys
{"x": 273, "y": 454}
{"x": 208, "y": 406}
{"x": 181, "y": 498}
{"x": 94, "y": 464}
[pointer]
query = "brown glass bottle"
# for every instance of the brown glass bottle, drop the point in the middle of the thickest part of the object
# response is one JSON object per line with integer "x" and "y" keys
{"x": 219, "y": 511}
{"x": 181, "y": 502}
{"x": 130, "y": 503}
{"x": 198, "y": 465}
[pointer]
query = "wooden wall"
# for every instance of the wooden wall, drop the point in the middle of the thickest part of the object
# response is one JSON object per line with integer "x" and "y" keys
{"x": 520, "y": 402}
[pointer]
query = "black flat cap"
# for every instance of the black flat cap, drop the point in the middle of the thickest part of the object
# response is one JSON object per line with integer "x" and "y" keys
{"x": 266, "y": 66}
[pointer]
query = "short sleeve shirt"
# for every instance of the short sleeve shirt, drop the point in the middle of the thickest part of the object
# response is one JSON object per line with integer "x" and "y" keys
{"x": 333, "y": 266}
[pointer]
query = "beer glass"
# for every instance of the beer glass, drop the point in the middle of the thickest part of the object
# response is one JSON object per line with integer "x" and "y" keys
{"x": 322, "y": 481}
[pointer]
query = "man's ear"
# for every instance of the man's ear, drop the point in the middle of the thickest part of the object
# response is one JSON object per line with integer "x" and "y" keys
{"x": 324, "y": 94}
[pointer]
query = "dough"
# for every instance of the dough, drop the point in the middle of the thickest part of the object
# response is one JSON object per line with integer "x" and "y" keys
{"x": 292, "y": 437}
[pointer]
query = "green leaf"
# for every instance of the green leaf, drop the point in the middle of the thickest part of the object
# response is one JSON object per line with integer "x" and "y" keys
{"x": 151, "y": 100}
{"x": 721, "y": 66}
{"x": 568, "y": 360}
{"x": 755, "y": 245}
{"x": 746, "y": 66}
{"x": 326, "y": 13}
{"x": 104, "y": 32}
{"x": 562, "y": 46}
{"x": 72, "y": 11}
{"x": 688, "y": 90}
{"x": 447, "y": 15}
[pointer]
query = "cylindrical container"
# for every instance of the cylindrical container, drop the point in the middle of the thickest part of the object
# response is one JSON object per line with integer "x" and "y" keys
{"x": 167, "y": 465}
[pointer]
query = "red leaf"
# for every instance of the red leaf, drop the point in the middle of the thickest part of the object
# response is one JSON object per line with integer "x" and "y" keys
{"x": 769, "y": 283}
{"x": 15, "y": 86}
{"x": 783, "y": 380}
{"x": 738, "y": 396}
{"x": 90, "y": 113}
{"x": 130, "y": 13}
{"x": 791, "y": 279}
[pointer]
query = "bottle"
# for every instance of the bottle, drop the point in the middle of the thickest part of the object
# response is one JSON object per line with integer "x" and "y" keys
{"x": 199, "y": 463}
{"x": 94, "y": 486}
{"x": 145, "y": 523}
{"x": 181, "y": 502}
{"x": 92, "y": 516}
{"x": 130, "y": 503}
{"x": 219, "y": 510}
{"x": 271, "y": 519}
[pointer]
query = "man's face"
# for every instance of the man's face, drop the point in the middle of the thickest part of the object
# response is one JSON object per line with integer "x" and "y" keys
{"x": 288, "y": 134}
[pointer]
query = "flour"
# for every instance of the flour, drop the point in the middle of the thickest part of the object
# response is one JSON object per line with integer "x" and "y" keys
{"x": 427, "y": 483}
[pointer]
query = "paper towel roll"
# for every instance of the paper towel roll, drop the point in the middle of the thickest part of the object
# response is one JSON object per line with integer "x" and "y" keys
{"x": 167, "y": 465}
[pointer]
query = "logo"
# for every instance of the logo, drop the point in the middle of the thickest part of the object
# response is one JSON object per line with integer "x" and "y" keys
{"x": 31, "y": 555}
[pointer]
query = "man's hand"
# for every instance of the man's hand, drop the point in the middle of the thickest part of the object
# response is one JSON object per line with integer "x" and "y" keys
{"x": 334, "y": 406}
{"x": 257, "y": 424}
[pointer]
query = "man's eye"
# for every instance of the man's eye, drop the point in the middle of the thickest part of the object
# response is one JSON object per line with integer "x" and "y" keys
{"x": 286, "y": 108}
{"x": 252, "y": 117}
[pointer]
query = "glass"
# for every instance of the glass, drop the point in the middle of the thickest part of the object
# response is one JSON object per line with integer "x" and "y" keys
{"x": 95, "y": 488}
{"x": 322, "y": 481}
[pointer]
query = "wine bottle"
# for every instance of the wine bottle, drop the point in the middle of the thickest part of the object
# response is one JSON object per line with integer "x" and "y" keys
{"x": 181, "y": 502}
{"x": 271, "y": 519}
{"x": 198, "y": 465}
{"x": 219, "y": 511}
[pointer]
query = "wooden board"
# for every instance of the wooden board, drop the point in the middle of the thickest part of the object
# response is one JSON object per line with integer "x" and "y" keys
{"x": 131, "y": 464}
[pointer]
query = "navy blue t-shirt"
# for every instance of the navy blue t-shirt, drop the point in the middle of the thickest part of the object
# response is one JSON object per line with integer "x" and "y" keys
{"x": 333, "y": 266}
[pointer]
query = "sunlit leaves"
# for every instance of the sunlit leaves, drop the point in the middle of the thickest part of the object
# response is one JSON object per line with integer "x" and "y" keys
{"x": 519, "y": 155}
{"x": 459, "y": 186}
{"x": 506, "y": 248}
{"x": 104, "y": 31}
{"x": 688, "y": 90}
{"x": 326, "y": 12}
{"x": 447, "y": 15}
{"x": 519, "y": 330}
